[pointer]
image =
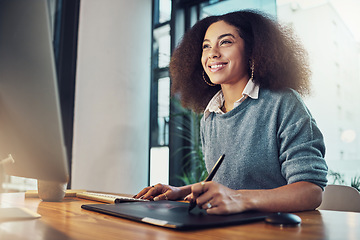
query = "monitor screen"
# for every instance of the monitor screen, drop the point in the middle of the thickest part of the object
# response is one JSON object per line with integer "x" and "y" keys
{"x": 30, "y": 118}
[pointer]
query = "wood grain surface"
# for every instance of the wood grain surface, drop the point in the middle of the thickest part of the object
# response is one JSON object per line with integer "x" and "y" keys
{"x": 66, "y": 220}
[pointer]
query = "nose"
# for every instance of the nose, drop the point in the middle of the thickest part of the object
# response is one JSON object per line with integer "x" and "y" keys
{"x": 214, "y": 53}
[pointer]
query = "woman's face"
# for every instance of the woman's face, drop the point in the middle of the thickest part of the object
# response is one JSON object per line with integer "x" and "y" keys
{"x": 223, "y": 55}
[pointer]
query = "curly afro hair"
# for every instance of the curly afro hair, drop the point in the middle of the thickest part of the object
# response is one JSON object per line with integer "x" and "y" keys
{"x": 280, "y": 60}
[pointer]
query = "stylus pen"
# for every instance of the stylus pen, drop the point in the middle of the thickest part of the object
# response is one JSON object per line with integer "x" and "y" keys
{"x": 209, "y": 177}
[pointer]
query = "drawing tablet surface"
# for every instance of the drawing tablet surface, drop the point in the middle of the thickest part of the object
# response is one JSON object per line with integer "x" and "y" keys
{"x": 172, "y": 214}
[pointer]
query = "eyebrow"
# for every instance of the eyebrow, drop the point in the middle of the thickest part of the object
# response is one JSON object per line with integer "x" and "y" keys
{"x": 221, "y": 36}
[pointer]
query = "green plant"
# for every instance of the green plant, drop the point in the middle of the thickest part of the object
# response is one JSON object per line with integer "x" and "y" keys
{"x": 355, "y": 182}
{"x": 338, "y": 178}
{"x": 188, "y": 129}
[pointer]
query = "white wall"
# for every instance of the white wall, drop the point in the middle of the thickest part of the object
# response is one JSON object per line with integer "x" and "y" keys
{"x": 111, "y": 125}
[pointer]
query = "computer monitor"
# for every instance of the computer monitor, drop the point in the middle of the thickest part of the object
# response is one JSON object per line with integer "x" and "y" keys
{"x": 30, "y": 118}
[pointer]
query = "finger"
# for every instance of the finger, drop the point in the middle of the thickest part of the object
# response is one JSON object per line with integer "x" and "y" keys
{"x": 164, "y": 196}
{"x": 214, "y": 210}
{"x": 207, "y": 205}
{"x": 204, "y": 200}
{"x": 153, "y": 192}
{"x": 218, "y": 210}
{"x": 188, "y": 197}
{"x": 198, "y": 189}
{"x": 206, "y": 196}
{"x": 142, "y": 192}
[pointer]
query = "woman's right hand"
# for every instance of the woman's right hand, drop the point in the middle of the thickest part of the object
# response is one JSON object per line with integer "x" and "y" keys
{"x": 161, "y": 192}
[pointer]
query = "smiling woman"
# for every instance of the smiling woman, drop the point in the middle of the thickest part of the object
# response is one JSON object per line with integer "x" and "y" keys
{"x": 278, "y": 57}
{"x": 244, "y": 72}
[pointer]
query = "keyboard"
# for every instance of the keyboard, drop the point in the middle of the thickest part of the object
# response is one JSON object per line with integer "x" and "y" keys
{"x": 108, "y": 198}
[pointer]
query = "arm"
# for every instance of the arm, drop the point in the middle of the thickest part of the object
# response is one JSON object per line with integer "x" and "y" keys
{"x": 294, "y": 197}
{"x": 299, "y": 196}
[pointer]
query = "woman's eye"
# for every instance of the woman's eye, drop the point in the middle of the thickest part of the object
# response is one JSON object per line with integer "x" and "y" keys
{"x": 206, "y": 46}
{"x": 225, "y": 42}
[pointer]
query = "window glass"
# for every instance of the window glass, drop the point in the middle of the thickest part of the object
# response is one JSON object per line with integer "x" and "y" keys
{"x": 163, "y": 110}
{"x": 160, "y": 95}
{"x": 330, "y": 33}
{"x": 161, "y": 46}
{"x": 164, "y": 10}
{"x": 217, "y": 7}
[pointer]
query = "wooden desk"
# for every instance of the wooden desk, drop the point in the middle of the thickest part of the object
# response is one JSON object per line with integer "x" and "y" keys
{"x": 66, "y": 220}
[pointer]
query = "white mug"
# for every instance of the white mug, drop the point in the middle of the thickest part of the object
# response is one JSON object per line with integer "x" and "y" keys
{"x": 51, "y": 191}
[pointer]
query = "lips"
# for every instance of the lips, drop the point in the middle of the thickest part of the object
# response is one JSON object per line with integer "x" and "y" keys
{"x": 214, "y": 67}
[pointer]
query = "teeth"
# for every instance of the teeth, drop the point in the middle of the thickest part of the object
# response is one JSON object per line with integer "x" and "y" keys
{"x": 217, "y": 66}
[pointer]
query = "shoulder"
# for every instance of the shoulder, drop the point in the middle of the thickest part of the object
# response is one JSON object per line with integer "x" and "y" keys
{"x": 285, "y": 104}
{"x": 286, "y": 97}
{"x": 287, "y": 94}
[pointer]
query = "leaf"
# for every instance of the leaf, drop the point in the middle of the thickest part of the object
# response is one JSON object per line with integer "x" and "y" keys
{"x": 188, "y": 129}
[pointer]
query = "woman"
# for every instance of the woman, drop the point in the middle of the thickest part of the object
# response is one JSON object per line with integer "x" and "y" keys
{"x": 245, "y": 72}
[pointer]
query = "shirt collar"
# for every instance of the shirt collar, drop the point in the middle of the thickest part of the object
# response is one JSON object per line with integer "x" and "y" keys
{"x": 251, "y": 90}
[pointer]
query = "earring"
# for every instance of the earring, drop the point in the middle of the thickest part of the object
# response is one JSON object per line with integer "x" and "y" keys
{"x": 207, "y": 82}
{"x": 252, "y": 67}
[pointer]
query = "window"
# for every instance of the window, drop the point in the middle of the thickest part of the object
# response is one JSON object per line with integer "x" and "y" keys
{"x": 329, "y": 31}
{"x": 160, "y": 92}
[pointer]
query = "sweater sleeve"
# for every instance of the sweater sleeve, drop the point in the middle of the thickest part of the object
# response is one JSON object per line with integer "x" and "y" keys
{"x": 301, "y": 144}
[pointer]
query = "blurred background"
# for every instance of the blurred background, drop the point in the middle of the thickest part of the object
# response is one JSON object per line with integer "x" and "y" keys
{"x": 329, "y": 30}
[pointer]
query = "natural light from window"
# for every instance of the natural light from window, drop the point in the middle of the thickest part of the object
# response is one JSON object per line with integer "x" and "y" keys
{"x": 330, "y": 31}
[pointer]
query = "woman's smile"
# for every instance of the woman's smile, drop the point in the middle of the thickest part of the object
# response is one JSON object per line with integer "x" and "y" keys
{"x": 214, "y": 67}
{"x": 223, "y": 56}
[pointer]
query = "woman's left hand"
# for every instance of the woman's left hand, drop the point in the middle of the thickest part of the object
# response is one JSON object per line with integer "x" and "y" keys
{"x": 218, "y": 199}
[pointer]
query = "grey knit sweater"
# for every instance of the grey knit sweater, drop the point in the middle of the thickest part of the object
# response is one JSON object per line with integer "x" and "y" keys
{"x": 268, "y": 142}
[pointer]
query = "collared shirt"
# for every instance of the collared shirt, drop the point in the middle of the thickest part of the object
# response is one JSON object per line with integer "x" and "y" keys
{"x": 251, "y": 90}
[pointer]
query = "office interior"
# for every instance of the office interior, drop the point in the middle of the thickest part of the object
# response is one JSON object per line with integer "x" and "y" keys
{"x": 123, "y": 131}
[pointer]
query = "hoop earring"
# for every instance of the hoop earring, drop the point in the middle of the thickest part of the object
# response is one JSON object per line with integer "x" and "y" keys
{"x": 252, "y": 67}
{"x": 207, "y": 82}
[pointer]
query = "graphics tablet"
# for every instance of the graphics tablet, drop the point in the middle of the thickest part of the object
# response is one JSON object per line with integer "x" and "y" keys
{"x": 172, "y": 214}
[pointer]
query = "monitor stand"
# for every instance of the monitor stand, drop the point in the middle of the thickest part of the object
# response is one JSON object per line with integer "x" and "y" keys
{"x": 11, "y": 213}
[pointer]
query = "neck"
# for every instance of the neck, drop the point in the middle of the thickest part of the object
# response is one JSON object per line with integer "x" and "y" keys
{"x": 232, "y": 93}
